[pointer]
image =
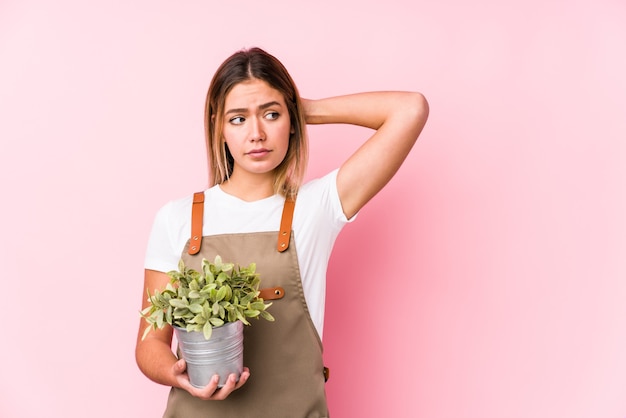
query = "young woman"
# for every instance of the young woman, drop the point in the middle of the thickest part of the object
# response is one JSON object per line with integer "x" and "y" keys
{"x": 256, "y": 138}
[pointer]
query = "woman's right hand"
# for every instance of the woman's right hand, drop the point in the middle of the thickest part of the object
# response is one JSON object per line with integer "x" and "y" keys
{"x": 210, "y": 391}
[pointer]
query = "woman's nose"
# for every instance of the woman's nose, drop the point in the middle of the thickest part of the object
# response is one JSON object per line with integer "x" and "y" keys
{"x": 256, "y": 130}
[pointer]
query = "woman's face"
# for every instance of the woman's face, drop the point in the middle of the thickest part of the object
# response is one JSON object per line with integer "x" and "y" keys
{"x": 256, "y": 127}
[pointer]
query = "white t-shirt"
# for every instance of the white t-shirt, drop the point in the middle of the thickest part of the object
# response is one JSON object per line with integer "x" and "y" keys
{"x": 318, "y": 218}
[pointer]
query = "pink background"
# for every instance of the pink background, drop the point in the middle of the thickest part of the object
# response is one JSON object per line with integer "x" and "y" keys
{"x": 487, "y": 280}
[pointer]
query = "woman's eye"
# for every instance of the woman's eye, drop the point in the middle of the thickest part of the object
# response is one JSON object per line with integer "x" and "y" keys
{"x": 237, "y": 120}
{"x": 271, "y": 115}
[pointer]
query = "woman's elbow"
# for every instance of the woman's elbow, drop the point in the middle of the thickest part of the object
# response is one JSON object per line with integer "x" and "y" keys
{"x": 418, "y": 109}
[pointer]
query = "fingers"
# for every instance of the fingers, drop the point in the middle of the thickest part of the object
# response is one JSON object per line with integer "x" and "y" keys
{"x": 243, "y": 378}
{"x": 211, "y": 390}
{"x": 223, "y": 392}
{"x": 208, "y": 392}
{"x": 231, "y": 385}
{"x": 179, "y": 367}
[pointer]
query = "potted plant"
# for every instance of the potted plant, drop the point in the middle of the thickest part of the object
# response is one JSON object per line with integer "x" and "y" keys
{"x": 207, "y": 310}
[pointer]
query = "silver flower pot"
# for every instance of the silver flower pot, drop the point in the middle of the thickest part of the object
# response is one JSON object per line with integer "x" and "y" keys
{"x": 222, "y": 354}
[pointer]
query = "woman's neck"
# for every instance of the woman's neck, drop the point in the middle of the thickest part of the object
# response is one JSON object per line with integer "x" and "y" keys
{"x": 249, "y": 189}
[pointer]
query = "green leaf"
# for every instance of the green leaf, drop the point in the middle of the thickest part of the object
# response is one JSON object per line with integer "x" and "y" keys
{"x": 246, "y": 299}
{"x": 180, "y": 312}
{"x": 266, "y": 315}
{"x": 206, "y": 310}
{"x": 177, "y": 303}
{"x": 232, "y": 314}
{"x": 208, "y": 275}
{"x": 216, "y": 322}
{"x": 195, "y": 308}
{"x": 229, "y": 292}
{"x": 207, "y": 330}
{"x": 159, "y": 319}
{"x": 242, "y": 318}
{"x": 221, "y": 294}
{"x": 145, "y": 332}
{"x": 199, "y": 319}
{"x": 206, "y": 290}
{"x": 258, "y": 305}
{"x": 251, "y": 313}
{"x": 194, "y": 275}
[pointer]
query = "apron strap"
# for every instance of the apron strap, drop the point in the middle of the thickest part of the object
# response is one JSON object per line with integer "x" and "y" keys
{"x": 197, "y": 217}
{"x": 272, "y": 293}
{"x": 285, "y": 225}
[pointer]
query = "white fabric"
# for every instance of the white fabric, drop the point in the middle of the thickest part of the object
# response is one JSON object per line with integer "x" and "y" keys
{"x": 318, "y": 219}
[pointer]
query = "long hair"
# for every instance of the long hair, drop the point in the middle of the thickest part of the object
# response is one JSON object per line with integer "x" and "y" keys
{"x": 247, "y": 64}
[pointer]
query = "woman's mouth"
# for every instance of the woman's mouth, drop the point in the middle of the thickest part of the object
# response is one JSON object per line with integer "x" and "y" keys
{"x": 259, "y": 152}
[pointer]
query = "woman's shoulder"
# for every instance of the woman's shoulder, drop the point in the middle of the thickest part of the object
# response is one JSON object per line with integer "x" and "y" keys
{"x": 178, "y": 209}
{"x": 176, "y": 205}
{"x": 184, "y": 203}
{"x": 318, "y": 185}
{"x": 319, "y": 196}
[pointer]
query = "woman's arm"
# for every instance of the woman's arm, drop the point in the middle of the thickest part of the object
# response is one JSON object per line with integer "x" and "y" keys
{"x": 155, "y": 358}
{"x": 154, "y": 354}
{"x": 397, "y": 117}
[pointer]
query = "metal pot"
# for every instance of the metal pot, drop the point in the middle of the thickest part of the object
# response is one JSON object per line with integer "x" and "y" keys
{"x": 222, "y": 354}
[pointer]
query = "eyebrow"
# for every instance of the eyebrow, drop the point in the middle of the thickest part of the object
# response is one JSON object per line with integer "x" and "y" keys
{"x": 261, "y": 107}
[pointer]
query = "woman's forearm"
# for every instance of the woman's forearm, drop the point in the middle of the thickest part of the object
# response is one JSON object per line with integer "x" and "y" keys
{"x": 369, "y": 110}
{"x": 155, "y": 359}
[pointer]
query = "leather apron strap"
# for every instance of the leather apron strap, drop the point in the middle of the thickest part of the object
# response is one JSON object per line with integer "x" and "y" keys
{"x": 197, "y": 219}
{"x": 284, "y": 234}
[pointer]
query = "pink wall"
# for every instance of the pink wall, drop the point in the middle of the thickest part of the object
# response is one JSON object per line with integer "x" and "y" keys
{"x": 487, "y": 280}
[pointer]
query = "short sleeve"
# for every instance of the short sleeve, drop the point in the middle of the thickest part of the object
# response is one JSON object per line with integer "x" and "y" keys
{"x": 161, "y": 253}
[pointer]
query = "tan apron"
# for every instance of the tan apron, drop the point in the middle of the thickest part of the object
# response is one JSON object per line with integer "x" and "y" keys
{"x": 285, "y": 357}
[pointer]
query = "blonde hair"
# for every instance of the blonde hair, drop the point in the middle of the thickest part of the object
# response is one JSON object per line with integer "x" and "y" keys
{"x": 247, "y": 64}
